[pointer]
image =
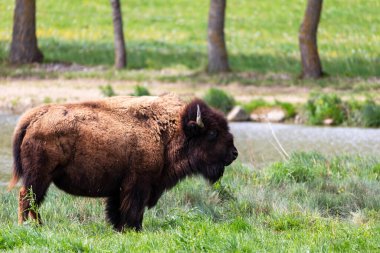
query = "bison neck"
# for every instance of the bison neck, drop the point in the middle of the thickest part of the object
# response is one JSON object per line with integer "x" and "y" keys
{"x": 177, "y": 165}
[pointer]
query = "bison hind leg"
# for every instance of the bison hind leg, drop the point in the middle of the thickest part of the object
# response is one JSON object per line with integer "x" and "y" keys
{"x": 113, "y": 210}
{"x": 27, "y": 206}
{"x": 30, "y": 198}
{"x": 23, "y": 205}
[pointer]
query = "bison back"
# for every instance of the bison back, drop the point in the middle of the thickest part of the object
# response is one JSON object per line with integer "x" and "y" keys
{"x": 90, "y": 148}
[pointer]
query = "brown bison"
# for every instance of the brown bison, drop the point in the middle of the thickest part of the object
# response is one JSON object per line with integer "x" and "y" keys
{"x": 126, "y": 149}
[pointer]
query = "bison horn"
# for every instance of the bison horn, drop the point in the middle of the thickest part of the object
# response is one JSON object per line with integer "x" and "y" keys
{"x": 199, "y": 118}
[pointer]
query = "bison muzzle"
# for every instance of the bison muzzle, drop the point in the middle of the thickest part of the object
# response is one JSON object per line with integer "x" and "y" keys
{"x": 128, "y": 150}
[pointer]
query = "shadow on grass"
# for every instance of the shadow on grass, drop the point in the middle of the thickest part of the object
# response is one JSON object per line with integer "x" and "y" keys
{"x": 160, "y": 55}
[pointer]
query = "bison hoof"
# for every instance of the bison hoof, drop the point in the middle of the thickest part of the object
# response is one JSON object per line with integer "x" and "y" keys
{"x": 123, "y": 228}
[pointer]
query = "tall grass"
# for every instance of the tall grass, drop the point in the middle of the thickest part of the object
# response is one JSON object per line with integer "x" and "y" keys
{"x": 308, "y": 203}
{"x": 261, "y": 35}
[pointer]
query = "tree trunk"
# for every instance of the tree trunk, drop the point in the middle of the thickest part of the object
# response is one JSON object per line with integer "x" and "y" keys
{"x": 217, "y": 52}
{"x": 311, "y": 64}
{"x": 24, "y": 48}
{"x": 120, "y": 52}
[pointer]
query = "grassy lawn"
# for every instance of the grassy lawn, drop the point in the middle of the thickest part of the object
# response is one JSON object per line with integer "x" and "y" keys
{"x": 307, "y": 203}
{"x": 161, "y": 35}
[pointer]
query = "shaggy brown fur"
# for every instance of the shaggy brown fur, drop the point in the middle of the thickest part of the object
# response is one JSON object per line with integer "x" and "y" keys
{"x": 127, "y": 149}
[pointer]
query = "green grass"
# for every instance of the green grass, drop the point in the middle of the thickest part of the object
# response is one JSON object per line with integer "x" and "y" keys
{"x": 308, "y": 203}
{"x": 261, "y": 35}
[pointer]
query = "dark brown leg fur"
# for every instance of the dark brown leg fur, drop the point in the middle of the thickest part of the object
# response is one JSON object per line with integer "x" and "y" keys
{"x": 113, "y": 210}
{"x": 132, "y": 208}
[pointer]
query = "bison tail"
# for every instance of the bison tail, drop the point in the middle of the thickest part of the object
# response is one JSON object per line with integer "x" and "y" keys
{"x": 13, "y": 182}
{"x": 17, "y": 141}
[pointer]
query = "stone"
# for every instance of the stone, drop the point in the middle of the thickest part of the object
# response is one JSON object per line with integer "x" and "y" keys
{"x": 328, "y": 122}
{"x": 237, "y": 114}
{"x": 255, "y": 117}
{"x": 276, "y": 115}
{"x": 268, "y": 115}
{"x": 298, "y": 119}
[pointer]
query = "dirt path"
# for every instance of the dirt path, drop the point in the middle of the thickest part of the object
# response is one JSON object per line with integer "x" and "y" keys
{"x": 17, "y": 95}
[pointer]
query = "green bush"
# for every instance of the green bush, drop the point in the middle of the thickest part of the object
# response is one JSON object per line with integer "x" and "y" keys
{"x": 107, "y": 90}
{"x": 219, "y": 99}
{"x": 289, "y": 108}
{"x": 140, "y": 91}
{"x": 366, "y": 114}
{"x": 254, "y": 104}
{"x": 47, "y": 100}
{"x": 323, "y": 106}
{"x": 370, "y": 114}
{"x": 354, "y": 115}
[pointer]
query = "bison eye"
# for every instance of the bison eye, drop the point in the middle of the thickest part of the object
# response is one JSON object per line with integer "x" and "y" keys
{"x": 212, "y": 134}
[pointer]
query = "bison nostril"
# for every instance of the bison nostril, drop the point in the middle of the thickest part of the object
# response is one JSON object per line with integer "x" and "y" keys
{"x": 235, "y": 153}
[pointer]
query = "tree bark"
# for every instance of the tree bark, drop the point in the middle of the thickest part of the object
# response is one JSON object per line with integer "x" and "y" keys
{"x": 217, "y": 52}
{"x": 24, "y": 47}
{"x": 311, "y": 64}
{"x": 120, "y": 51}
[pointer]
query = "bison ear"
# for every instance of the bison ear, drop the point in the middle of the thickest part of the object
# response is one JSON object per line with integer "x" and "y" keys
{"x": 192, "y": 120}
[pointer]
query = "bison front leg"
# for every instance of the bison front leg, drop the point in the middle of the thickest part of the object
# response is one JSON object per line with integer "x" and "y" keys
{"x": 113, "y": 210}
{"x": 132, "y": 206}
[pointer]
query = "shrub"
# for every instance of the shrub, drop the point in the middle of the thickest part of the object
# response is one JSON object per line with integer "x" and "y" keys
{"x": 288, "y": 108}
{"x": 370, "y": 114}
{"x": 219, "y": 99}
{"x": 254, "y": 104}
{"x": 354, "y": 114}
{"x": 107, "y": 90}
{"x": 323, "y": 106}
{"x": 365, "y": 114}
{"x": 47, "y": 100}
{"x": 140, "y": 91}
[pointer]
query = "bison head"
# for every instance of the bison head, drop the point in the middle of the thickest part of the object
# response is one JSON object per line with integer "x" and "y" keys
{"x": 208, "y": 142}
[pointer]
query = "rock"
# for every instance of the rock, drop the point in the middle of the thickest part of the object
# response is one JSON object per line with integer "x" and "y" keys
{"x": 268, "y": 115}
{"x": 237, "y": 114}
{"x": 299, "y": 119}
{"x": 255, "y": 117}
{"x": 276, "y": 115}
{"x": 328, "y": 122}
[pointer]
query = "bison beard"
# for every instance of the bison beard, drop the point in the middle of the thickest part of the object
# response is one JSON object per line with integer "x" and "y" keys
{"x": 126, "y": 149}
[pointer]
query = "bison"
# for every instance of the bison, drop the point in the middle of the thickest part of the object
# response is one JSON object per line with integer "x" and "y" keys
{"x": 128, "y": 150}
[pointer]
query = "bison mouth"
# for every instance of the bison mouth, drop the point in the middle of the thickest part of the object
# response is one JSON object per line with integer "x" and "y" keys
{"x": 226, "y": 163}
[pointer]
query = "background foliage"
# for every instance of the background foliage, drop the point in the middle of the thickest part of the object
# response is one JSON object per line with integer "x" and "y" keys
{"x": 261, "y": 35}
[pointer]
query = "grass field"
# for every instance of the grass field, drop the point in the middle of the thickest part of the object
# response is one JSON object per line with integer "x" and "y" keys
{"x": 309, "y": 203}
{"x": 261, "y": 35}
